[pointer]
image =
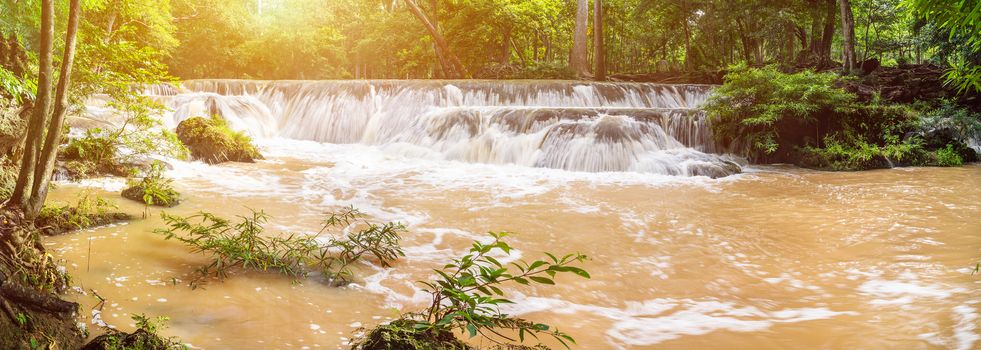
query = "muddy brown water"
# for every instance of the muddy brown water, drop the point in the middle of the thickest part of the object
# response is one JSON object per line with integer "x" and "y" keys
{"x": 775, "y": 258}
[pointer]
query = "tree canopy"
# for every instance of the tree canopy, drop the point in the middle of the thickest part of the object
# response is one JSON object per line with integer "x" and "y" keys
{"x": 140, "y": 40}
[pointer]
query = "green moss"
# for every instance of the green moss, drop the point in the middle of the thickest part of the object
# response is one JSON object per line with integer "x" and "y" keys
{"x": 212, "y": 141}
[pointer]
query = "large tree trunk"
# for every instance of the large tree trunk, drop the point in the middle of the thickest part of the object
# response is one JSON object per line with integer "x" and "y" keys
{"x": 829, "y": 33}
{"x": 23, "y": 189}
{"x": 455, "y": 69}
{"x": 599, "y": 50}
{"x": 578, "y": 58}
{"x": 46, "y": 161}
{"x": 848, "y": 36}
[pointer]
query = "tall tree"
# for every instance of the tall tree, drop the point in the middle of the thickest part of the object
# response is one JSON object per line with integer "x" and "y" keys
{"x": 848, "y": 36}
{"x": 829, "y": 32}
{"x": 598, "y": 50}
{"x": 23, "y": 188}
{"x": 37, "y": 164}
{"x": 454, "y": 69}
{"x": 578, "y": 58}
{"x": 46, "y": 161}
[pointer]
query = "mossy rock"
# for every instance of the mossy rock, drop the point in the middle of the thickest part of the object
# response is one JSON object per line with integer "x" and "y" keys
{"x": 141, "y": 339}
{"x": 400, "y": 335}
{"x": 136, "y": 193}
{"x": 53, "y": 221}
{"x": 211, "y": 141}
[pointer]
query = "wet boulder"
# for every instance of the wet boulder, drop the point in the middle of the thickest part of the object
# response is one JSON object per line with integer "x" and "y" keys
{"x": 169, "y": 198}
{"x": 715, "y": 170}
{"x": 212, "y": 141}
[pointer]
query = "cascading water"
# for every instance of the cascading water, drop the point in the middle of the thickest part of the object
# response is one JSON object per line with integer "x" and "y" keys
{"x": 574, "y": 126}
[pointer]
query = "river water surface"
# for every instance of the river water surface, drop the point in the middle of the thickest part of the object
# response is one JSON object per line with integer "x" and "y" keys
{"x": 772, "y": 258}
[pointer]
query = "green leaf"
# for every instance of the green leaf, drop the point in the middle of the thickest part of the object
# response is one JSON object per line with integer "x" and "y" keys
{"x": 542, "y": 280}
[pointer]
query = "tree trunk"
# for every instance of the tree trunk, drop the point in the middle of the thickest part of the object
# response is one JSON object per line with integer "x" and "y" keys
{"x": 42, "y": 175}
{"x": 456, "y": 69}
{"x": 848, "y": 36}
{"x": 599, "y": 51}
{"x": 815, "y": 46}
{"x": 688, "y": 55}
{"x": 829, "y": 33}
{"x": 578, "y": 57}
{"x": 23, "y": 189}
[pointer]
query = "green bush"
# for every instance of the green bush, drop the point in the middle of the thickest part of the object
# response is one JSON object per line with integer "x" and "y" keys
{"x": 466, "y": 296}
{"x": 94, "y": 148}
{"x": 153, "y": 188}
{"x": 764, "y": 111}
{"x": 245, "y": 245}
{"x": 948, "y": 157}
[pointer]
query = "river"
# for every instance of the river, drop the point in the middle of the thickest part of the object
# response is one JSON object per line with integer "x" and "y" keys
{"x": 686, "y": 253}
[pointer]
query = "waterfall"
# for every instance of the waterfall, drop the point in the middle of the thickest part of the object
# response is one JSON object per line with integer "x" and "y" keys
{"x": 576, "y": 126}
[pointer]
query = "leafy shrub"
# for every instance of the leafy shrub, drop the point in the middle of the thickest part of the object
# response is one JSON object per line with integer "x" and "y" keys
{"x": 153, "y": 188}
{"x": 466, "y": 296}
{"x": 17, "y": 88}
{"x": 213, "y": 141}
{"x": 114, "y": 151}
{"x": 95, "y": 149}
{"x": 948, "y": 157}
{"x": 764, "y": 110}
{"x": 244, "y": 245}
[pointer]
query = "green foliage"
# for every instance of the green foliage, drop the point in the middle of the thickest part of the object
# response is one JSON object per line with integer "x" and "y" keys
{"x": 100, "y": 151}
{"x": 94, "y": 149}
{"x": 87, "y": 211}
{"x": 146, "y": 336}
{"x": 948, "y": 157}
{"x": 151, "y": 325}
{"x": 17, "y": 88}
{"x": 961, "y": 19}
{"x": 851, "y": 152}
{"x": 21, "y": 319}
{"x": 755, "y": 105}
{"x": 245, "y": 245}
{"x": 467, "y": 294}
{"x": 153, "y": 189}
{"x": 402, "y": 334}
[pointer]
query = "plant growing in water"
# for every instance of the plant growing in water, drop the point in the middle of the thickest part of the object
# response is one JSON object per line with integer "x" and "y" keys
{"x": 87, "y": 211}
{"x": 153, "y": 189}
{"x": 466, "y": 296}
{"x": 244, "y": 244}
